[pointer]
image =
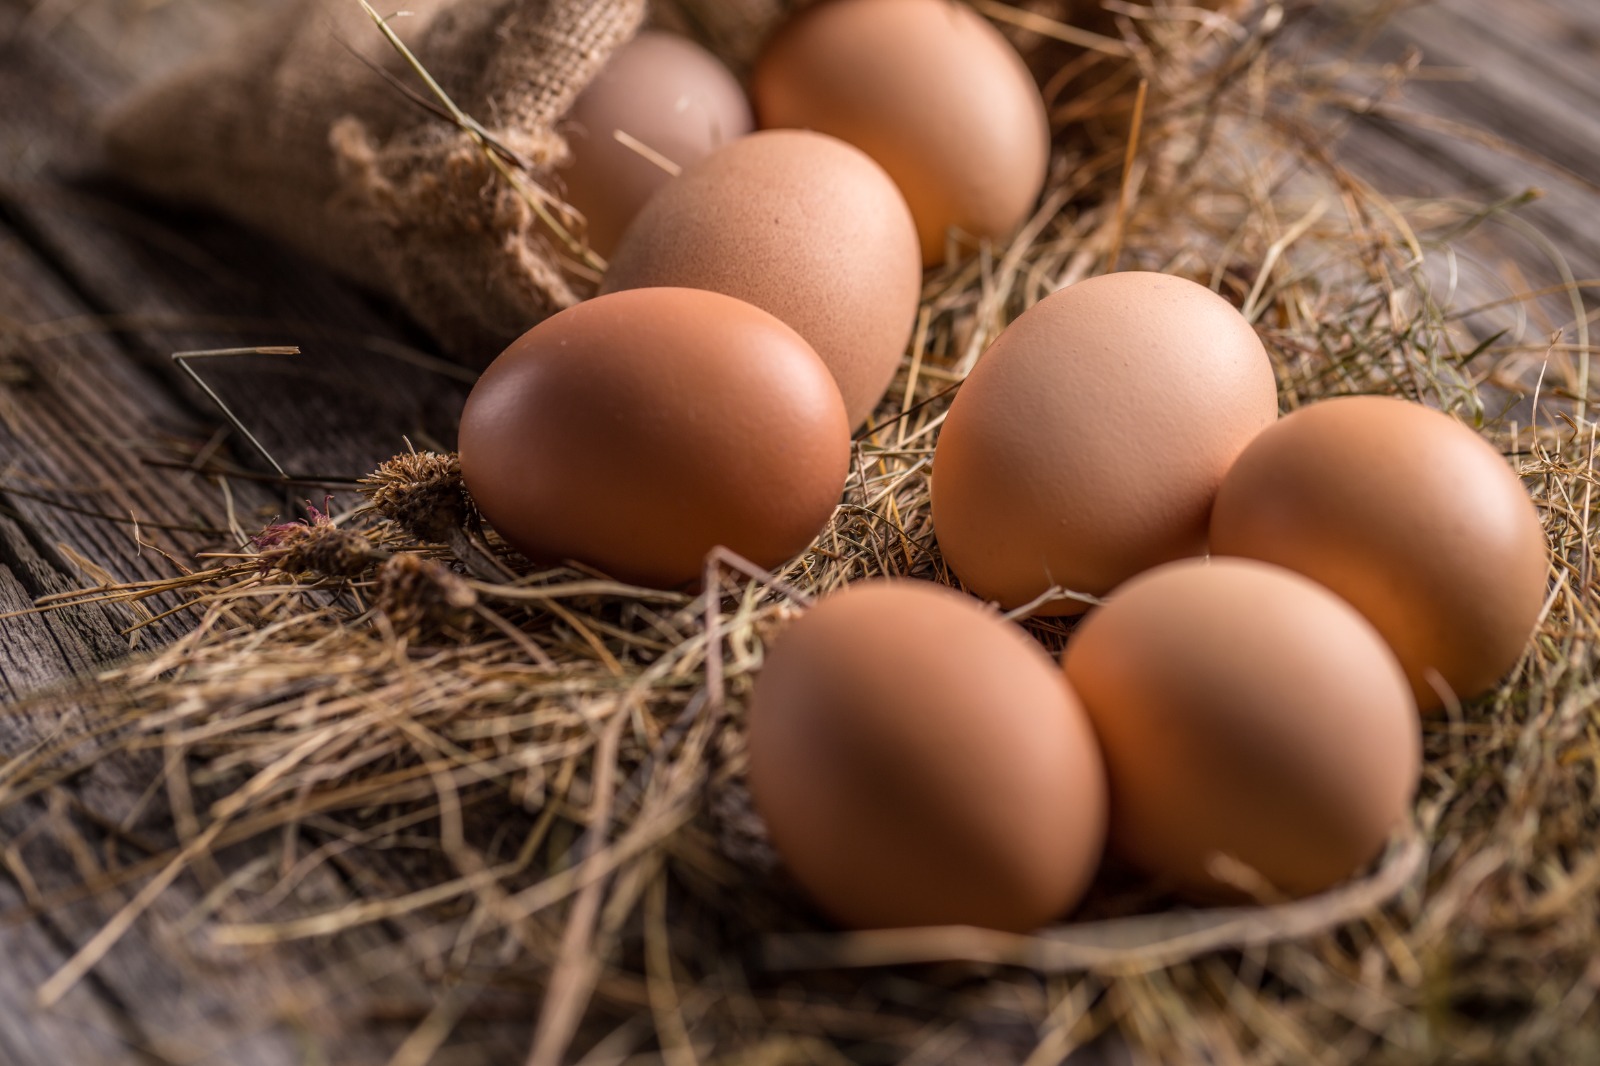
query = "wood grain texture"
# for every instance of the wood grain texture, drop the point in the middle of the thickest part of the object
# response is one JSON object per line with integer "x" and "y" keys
{"x": 1509, "y": 103}
{"x": 171, "y": 282}
{"x": 96, "y": 289}
{"x": 90, "y": 1026}
{"x": 93, "y": 292}
{"x": 73, "y": 422}
{"x": 95, "y": 1023}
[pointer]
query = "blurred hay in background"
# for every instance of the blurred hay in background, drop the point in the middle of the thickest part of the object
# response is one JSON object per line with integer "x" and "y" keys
{"x": 549, "y": 765}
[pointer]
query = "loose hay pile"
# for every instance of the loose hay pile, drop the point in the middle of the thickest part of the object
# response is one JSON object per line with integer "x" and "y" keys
{"x": 551, "y": 763}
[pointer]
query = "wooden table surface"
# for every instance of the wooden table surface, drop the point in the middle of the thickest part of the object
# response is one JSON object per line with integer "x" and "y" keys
{"x": 99, "y": 436}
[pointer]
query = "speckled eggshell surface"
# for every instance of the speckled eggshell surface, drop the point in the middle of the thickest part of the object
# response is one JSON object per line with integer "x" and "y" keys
{"x": 929, "y": 89}
{"x": 669, "y": 94}
{"x": 1410, "y": 516}
{"x": 637, "y": 431}
{"x": 801, "y": 225}
{"x": 919, "y": 760}
{"x": 1088, "y": 442}
{"x": 1245, "y": 710}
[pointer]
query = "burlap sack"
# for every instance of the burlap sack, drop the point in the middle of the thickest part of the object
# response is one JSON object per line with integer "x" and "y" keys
{"x": 294, "y": 131}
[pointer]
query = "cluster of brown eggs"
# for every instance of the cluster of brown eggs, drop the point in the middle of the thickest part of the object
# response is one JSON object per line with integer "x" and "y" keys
{"x": 1247, "y": 724}
{"x": 681, "y": 409}
{"x": 1240, "y": 726}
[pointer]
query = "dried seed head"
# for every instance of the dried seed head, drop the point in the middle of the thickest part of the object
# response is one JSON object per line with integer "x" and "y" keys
{"x": 315, "y": 546}
{"x": 424, "y": 598}
{"x": 422, "y": 493}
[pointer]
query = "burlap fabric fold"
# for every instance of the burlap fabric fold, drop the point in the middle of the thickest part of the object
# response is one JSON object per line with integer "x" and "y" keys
{"x": 293, "y": 130}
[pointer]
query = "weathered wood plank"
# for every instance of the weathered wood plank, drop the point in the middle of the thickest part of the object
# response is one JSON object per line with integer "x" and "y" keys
{"x": 180, "y": 282}
{"x": 83, "y": 1029}
{"x": 84, "y": 409}
{"x": 73, "y": 410}
{"x": 78, "y": 428}
{"x": 36, "y": 650}
{"x": 88, "y": 1026}
{"x": 70, "y": 414}
{"x": 72, "y": 418}
{"x": 152, "y": 998}
{"x": 1530, "y": 76}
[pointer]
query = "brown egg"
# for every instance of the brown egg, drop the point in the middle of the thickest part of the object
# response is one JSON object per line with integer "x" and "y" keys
{"x": 637, "y": 431}
{"x": 799, "y": 224}
{"x": 669, "y": 94}
{"x": 929, "y": 89}
{"x": 1089, "y": 441}
{"x": 919, "y": 761}
{"x": 1245, "y": 711}
{"x": 1408, "y": 515}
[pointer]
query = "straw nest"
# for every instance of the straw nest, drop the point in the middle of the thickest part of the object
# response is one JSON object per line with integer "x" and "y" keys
{"x": 549, "y": 764}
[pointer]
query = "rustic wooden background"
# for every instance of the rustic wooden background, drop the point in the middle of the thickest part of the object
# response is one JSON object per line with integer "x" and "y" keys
{"x": 110, "y": 461}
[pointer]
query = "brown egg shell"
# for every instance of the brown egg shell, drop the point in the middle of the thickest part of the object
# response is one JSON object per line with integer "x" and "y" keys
{"x": 669, "y": 94}
{"x": 803, "y": 226}
{"x": 1246, "y": 711}
{"x": 637, "y": 431}
{"x": 920, "y": 761}
{"x": 1410, "y": 516}
{"x": 930, "y": 90}
{"x": 1088, "y": 443}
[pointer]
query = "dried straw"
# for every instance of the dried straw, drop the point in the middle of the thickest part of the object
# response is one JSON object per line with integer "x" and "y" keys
{"x": 562, "y": 755}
